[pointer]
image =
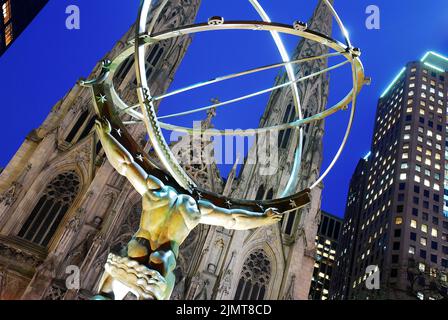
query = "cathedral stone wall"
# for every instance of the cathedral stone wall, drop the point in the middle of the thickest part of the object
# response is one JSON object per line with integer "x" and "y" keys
{"x": 99, "y": 211}
{"x": 101, "y": 215}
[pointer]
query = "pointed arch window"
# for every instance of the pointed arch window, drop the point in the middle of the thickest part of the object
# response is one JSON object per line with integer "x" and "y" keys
{"x": 289, "y": 222}
{"x": 260, "y": 193}
{"x": 88, "y": 128}
{"x": 51, "y": 208}
{"x": 125, "y": 68}
{"x": 255, "y": 277}
{"x": 152, "y": 60}
{"x": 284, "y": 135}
{"x": 79, "y": 123}
{"x": 270, "y": 194}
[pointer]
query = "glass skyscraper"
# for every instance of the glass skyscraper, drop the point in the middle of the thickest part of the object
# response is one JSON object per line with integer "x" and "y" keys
{"x": 400, "y": 223}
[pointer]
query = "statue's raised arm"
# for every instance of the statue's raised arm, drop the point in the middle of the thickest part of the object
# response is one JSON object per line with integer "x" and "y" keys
{"x": 236, "y": 219}
{"x": 123, "y": 161}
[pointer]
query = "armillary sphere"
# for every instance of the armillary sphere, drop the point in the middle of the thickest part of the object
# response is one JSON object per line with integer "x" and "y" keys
{"x": 172, "y": 172}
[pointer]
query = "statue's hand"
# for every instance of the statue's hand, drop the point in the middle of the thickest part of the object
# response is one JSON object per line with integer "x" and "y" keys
{"x": 103, "y": 125}
{"x": 272, "y": 216}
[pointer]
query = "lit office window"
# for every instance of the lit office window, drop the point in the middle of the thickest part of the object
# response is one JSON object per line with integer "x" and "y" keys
{"x": 8, "y": 34}
{"x": 6, "y": 9}
{"x": 434, "y": 233}
{"x": 422, "y": 267}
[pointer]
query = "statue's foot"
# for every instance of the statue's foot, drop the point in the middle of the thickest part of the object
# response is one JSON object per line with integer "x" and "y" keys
{"x": 130, "y": 276}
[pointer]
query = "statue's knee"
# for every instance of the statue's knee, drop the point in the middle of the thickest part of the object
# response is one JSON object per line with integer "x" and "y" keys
{"x": 166, "y": 259}
{"x": 138, "y": 248}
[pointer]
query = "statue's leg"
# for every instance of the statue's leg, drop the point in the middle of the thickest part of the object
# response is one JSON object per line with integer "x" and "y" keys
{"x": 138, "y": 248}
{"x": 106, "y": 291}
{"x": 164, "y": 262}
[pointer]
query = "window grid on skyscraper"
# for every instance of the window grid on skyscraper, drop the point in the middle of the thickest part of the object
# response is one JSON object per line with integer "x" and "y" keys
{"x": 402, "y": 214}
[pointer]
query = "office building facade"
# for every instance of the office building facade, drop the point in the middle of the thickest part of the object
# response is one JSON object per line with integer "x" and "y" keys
{"x": 402, "y": 219}
{"x": 326, "y": 244}
{"x": 15, "y": 17}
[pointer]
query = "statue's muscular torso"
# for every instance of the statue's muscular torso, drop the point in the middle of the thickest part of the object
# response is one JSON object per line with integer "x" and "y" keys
{"x": 167, "y": 217}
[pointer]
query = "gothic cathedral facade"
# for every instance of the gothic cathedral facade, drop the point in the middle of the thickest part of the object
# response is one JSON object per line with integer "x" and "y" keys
{"x": 63, "y": 205}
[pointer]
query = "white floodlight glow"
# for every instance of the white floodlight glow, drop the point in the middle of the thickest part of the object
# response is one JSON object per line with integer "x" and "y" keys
{"x": 438, "y": 55}
{"x": 433, "y": 67}
{"x": 367, "y": 156}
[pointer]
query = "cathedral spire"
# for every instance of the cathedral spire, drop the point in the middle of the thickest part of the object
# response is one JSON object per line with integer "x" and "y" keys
{"x": 211, "y": 113}
{"x": 321, "y": 21}
{"x": 231, "y": 177}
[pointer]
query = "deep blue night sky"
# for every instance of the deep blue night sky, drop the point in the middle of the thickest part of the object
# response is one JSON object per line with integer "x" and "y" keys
{"x": 47, "y": 60}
